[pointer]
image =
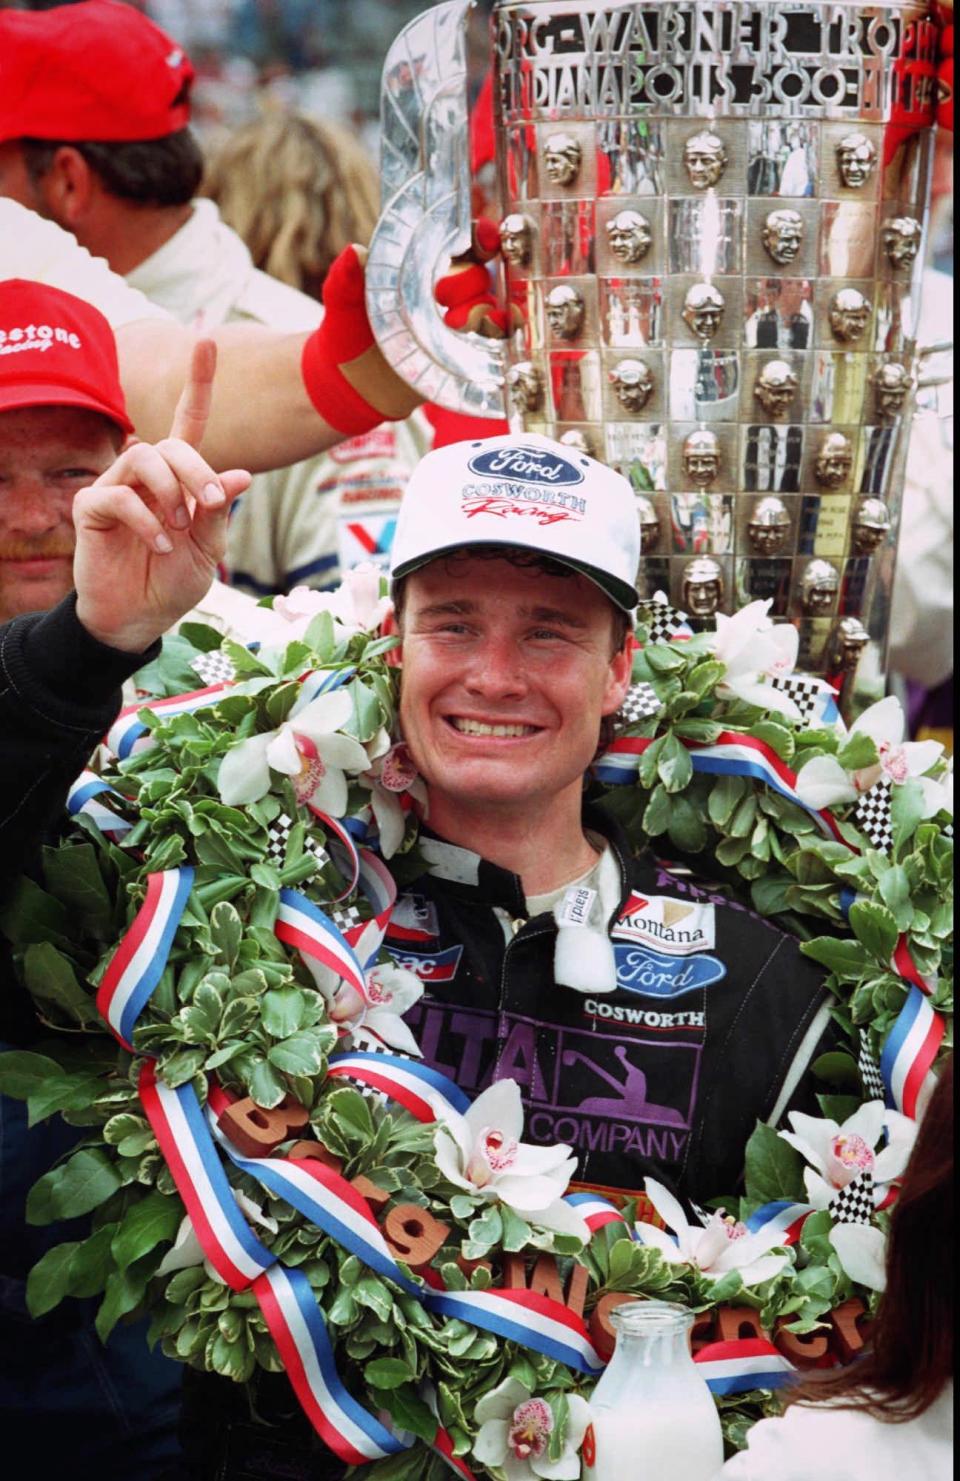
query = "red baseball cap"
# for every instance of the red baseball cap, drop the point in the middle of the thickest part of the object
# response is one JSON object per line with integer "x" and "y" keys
{"x": 96, "y": 72}
{"x": 57, "y": 350}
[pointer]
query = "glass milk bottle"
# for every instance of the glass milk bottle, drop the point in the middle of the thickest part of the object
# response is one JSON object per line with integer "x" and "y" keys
{"x": 653, "y": 1416}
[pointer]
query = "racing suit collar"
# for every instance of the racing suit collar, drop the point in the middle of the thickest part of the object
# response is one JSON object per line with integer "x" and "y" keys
{"x": 467, "y": 875}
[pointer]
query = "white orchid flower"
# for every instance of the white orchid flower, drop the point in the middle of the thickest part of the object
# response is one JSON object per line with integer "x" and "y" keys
{"x": 515, "y": 1432}
{"x": 862, "y": 1249}
{"x": 356, "y": 605}
{"x": 715, "y": 1247}
{"x": 307, "y": 748}
{"x": 391, "y": 991}
{"x": 838, "y": 1154}
{"x": 753, "y": 649}
{"x": 482, "y": 1153}
{"x": 392, "y": 775}
{"x": 187, "y": 1250}
{"x": 824, "y": 782}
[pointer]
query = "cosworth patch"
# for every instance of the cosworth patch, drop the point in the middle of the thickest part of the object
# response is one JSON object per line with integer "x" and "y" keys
{"x": 676, "y": 927}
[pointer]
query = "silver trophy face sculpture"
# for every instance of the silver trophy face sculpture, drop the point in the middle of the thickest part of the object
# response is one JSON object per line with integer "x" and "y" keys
{"x": 713, "y": 215}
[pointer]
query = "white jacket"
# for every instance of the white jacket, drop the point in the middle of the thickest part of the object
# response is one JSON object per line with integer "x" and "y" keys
{"x": 305, "y": 524}
{"x": 41, "y": 251}
{"x": 921, "y": 614}
{"x": 821, "y": 1443}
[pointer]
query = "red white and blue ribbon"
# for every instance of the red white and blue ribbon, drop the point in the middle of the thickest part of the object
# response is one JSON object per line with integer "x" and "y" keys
{"x": 321, "y": 1195}
{"x": 618, "y": 766}
{"x": 306, "y": 928}
{"x": 782, "y": 1217}
{"x": 526, "y": 1317}
{"x": 82, "y": 798}
{"x": 291, "y": 1312}
{"x": 424, "y": 1092}
{"x": 286, "y": 1299}
{"x": 181, "y": 1129}
{"x": 129, "y": 734}
{"x": 907, "y": 1057}
{"x": 906, "y": 1061}
{"x": 746, "y": 1363}
{"x": 344, "y": 851}
{"x": 379, "y": 888}
{"x": 903, "y": 962}
{"x": 594, "y": 1210}
{"x": 138, "y": 962}
{"x": 732, "y": 754}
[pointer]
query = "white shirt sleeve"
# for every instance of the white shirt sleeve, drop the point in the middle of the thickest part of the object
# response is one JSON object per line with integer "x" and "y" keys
{"x": 41, "y": 251}
{"x": 921, "y": 617}
{"x": 820, "y": 1442}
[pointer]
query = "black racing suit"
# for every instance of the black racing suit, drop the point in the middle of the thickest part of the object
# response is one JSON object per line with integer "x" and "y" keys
{"x": 713, "y": 1023}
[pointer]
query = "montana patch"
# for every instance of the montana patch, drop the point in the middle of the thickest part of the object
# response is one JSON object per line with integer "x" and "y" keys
{"x": 677, "y": 927}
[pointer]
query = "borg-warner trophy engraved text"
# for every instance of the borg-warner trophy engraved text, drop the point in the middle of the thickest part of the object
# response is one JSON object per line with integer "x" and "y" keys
{"x": 712, "y": 218}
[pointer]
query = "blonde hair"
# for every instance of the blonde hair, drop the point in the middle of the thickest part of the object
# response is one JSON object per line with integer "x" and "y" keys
{"x": 297, "y": 192}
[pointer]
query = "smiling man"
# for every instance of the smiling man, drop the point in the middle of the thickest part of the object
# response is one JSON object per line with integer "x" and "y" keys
{"x": 649, "y": 1022}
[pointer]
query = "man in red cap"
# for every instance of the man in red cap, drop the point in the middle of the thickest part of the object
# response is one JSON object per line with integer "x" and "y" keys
{"x": 94, "y": 135}
{"x": 137, "y": 530}
{"x": 63, "y": 424}
{"x": 64, "y": 68}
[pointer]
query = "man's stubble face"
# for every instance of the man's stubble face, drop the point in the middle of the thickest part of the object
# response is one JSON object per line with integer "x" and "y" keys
{"x": 47, "y": 454}
{"x": 487, "y": 644}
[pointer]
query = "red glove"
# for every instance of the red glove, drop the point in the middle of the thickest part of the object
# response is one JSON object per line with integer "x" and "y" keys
{"x": 345, "y": 375}
{"x": 465, "y": 290}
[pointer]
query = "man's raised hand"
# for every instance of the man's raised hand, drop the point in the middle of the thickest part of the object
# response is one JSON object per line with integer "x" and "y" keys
{"x": 152, "y": 528}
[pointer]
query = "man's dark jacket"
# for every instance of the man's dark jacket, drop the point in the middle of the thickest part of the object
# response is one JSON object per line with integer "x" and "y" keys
{"x": 60, "y": 689}
{"x": 712, "y": 1025}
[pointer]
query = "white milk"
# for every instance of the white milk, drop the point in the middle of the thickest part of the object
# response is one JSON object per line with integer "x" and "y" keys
{"x": 654, "y": 1418}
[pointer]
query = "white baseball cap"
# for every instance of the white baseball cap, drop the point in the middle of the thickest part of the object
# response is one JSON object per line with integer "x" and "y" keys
{"x": 523, "y": 492}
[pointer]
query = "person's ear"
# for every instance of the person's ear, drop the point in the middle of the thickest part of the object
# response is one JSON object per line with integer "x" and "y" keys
{"x": 68, "y": 187}
{"x": 619, "y": 676}
{"x": 390, "y": 628}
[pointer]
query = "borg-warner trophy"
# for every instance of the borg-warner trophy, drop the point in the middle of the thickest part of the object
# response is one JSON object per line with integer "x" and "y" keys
{"x": 712, "y": 216}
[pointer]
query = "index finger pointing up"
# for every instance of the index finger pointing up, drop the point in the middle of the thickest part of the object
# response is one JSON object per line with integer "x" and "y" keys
{"x": 193, "y": 408}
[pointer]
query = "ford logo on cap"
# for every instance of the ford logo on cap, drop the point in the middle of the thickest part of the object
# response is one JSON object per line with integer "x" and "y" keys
{"x": 526, "y": 465}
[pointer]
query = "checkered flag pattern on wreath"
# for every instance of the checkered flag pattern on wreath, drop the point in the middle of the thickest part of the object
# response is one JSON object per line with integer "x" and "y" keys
{"x": 279, "y": 832}
{"x": 662, "y": 620}
{"x": 344, "y": 919}
{"x": 368, "y": 1043}
{"x": 873, "y": 816}
{"x": 214, "y": 668}
{"x": 640, "y": 703}
{"x": 804, "y": 692}
{"x": 854, "y": 1204}
{"x": 870, "y": 1076}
